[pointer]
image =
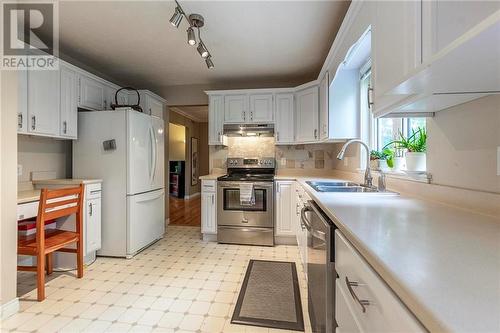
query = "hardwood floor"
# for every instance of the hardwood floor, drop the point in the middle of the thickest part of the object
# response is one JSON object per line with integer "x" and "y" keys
{"x": 185, "y": 212}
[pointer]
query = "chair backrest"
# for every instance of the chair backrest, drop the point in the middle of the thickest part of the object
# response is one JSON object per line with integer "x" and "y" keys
{"x": 58, "y": 203}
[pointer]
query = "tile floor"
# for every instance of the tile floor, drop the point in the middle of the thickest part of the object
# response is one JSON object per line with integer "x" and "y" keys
{"x": 179, "y": 284}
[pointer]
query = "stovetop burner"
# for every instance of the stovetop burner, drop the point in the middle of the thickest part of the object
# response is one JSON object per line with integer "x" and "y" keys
{"x": 247, "y": 177}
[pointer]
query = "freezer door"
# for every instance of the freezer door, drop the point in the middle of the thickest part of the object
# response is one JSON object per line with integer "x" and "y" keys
{"x": 141, "y": 153}
{"x": 158, "y": 179}
{"x": 146, "y": 219}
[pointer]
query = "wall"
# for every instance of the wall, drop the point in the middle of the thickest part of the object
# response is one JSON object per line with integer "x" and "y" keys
{"x": 8, "y": 185}
{"x": 44, "y": 154}
{"x": 176, "y": 142}
{"x": 203, "y": 149}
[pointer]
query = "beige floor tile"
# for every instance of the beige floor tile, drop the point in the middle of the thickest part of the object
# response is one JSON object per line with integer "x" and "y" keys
{"x": 219, "y": 309}
{"x": 144, "y": 302}
{"x": 213, "y": 324}
{"x": 162, "y": 304}
{"x": 131, "y": 315}
{"x": 180, "y": 305}
{"x": 119, "y": 328}
{"x": 189, "y": 294}
{"x": 55, "y": 324}
{"x": 191, "y": 322}
{"x": 112, "y": 313}
{"x": 94, "y": 311}
{"x": 199, "y": 308}
{"x": 75, "y": 310}
{"x": 170, "y": 320}
{"x": 150, "y": 318}
{"x": 98, "y": 326}
{"x": 76, "y": 325}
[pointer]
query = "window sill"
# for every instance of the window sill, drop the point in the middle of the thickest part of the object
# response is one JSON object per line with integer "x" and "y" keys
{"x": 420, "y": 177}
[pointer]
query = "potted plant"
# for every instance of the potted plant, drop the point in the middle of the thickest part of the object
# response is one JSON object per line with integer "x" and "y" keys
{"x": 383, "y": 159}
{"x": 415, "y": 146}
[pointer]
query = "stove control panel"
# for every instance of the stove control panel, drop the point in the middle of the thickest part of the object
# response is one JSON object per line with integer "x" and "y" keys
{"x": 240, "y": 162}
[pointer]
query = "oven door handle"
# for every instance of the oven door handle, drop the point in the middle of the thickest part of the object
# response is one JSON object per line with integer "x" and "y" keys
{"x": 256, "y": 185}
{"x": 303, "y": 217}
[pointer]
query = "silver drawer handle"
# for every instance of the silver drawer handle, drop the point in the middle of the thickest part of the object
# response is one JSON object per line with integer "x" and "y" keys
{"x": 244, "y": 221}
{"x": 362, "y": 302}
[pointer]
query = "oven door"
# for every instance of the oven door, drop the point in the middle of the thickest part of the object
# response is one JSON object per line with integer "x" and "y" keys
{"x": 230, "y": 212}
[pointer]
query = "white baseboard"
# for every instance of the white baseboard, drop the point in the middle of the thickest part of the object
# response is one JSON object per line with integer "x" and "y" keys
{"x": 285, "y": 240}
{"x": 9, "y": 308}
{"x": 209, "y": 237}
{"x": 167, "y": 221}
{"x": 194, "y": 195}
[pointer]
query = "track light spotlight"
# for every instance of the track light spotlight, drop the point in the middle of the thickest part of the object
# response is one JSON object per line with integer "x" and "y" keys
{"x": 176, "y": 18}
{"x": 191, "y": 36}
{"x": 209, "y": 62}
{"x": 202, "y": 50}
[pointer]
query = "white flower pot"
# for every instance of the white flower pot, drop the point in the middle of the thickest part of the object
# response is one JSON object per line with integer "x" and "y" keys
{"x": 399, "y": 163}
{"x": 379, "y": 165}
{"x": 416, "y": 162}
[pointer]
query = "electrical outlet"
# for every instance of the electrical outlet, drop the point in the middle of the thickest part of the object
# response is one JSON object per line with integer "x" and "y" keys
{"x": 346, "y": 161}
{"x": 498, "y": 161}
{"x": 19, "y": 170}
{"x": 283, "y": 161}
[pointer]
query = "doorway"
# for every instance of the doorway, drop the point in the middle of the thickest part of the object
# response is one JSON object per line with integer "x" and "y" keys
{"x": 188, "y": 159}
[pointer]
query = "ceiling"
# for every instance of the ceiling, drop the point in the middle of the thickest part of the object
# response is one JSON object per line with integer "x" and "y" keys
{"x": 272, "y": 42}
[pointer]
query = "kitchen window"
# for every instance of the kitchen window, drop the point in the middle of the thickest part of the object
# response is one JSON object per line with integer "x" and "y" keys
{"x": 388, "y": 129}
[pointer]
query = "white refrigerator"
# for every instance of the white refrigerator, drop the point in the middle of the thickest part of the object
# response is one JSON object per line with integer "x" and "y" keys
{"x": 125, "y": 149}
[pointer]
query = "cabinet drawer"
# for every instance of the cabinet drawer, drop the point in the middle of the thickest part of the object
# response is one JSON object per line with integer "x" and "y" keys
{"x": 383, "y": 311}
{"x": 27, "y": 210}
{"x": 208, "y": 185}
{"x": 92, "y": 191}
{"x": 343, "y": 313}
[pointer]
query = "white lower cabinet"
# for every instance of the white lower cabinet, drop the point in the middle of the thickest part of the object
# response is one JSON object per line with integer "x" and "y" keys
{"x": 93, "y": 225}
{"x": 364, "y": 301}
{"x": 208, "y": 207}
{"x": 284, "y": 221}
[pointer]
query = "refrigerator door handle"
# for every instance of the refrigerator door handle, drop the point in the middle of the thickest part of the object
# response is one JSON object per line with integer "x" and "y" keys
{"x": 153, "y": 154}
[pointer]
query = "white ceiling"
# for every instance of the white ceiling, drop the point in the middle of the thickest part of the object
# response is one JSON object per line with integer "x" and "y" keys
{"x": 273, "y": 43}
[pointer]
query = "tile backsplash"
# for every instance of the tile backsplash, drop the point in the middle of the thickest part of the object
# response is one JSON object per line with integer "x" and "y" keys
{"x": 314, "y": 156}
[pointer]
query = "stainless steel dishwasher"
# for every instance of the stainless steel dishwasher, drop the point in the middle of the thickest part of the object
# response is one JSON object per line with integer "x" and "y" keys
{"x": 320, "y": 268}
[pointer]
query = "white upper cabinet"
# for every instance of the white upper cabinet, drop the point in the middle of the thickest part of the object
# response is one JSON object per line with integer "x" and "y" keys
{"x": 445, "y": 21}
{"x": 323, "y": 108}
{"x": 306, "y": 113}
{"x": 261, "y": 108}
{"x": 69, "y": 99}
{"x": 22, "y": 102}
{"x": 396, "y": 46}
{"x": 236, "y": 109}
{"x": 285, "y": 115}
{"x": 215, "y": 120}
{"x": 109, "y": 96}
{"x": 43, "y": 102}
{"x": 91, "y": 94}
{"x": 151, "y": 104}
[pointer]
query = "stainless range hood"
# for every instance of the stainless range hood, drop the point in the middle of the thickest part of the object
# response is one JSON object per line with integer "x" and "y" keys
{"x": 249, "y": 130}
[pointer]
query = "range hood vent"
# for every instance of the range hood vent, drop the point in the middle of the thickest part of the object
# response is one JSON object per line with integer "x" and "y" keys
{"x": 249, "y": 130}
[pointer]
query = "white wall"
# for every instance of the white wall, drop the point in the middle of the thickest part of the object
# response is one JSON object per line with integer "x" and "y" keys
{"x": 8, "y": 185}
{"x": 176, "y": 142}
{"x": 44, "y": 154}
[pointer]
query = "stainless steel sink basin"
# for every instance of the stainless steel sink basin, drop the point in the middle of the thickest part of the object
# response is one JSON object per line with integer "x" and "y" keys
{"x": 346, "y": 187}
{"x": 332, "y": 183}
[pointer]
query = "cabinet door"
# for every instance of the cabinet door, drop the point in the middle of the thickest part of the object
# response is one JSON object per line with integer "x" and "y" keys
{"x": 285, "y": 119}
{"x": 109, "y": 97}
{"x": 235, "y": 108}
{"x": 22, "y": 102}
{"x": 261, "y": 108}
{"x": 445, "y": 21}
{"x": 215, "y": 120}
{"x": 91, "y": 94}
{"x": 307, "y": 115}
{"x": 155, "y": 107}
{"x": 323, "y": 108}
{"x": 208, "y": 213}
{"x": 396, "y": 46}
{"x": 69, "y": 100}
{"x": 285, "y": 210}
{"x": 43, "y": 102}
{"x": 92, "y": 225}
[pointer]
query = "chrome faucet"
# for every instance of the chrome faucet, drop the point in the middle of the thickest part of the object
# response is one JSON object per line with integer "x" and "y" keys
{"x": 368, "y": 174}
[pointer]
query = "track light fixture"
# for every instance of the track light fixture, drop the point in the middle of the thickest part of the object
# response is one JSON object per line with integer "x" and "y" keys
{"x": 195, "y": 21}
{"x": 209, "y": 62}
{"x": 191, "y": 36}
{"x": 176, "y": 19}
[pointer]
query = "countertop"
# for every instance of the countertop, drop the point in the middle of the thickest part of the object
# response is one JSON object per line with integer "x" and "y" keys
{"x": 34, "y": 194}
{"x": 211, "y": 176}
{"x": 443, "y": 262}
{"x": 66, "y": 181}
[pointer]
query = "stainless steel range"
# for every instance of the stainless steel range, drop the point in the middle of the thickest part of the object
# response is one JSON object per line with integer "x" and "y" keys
{"x": 242, "y": 221}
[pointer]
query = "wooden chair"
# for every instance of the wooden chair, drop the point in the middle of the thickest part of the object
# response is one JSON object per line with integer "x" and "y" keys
{"x": 53, "y": 204}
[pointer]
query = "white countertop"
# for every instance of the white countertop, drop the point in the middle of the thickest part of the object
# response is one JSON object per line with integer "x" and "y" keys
{"x": 443, "y": 262}
{"x": 70, "y": 181}
{"x": 212, "y": 176}
{"x": 31, "y": 195}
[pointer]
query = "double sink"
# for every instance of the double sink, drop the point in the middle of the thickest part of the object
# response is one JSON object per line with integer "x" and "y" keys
{"x": 345, "y": 187}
